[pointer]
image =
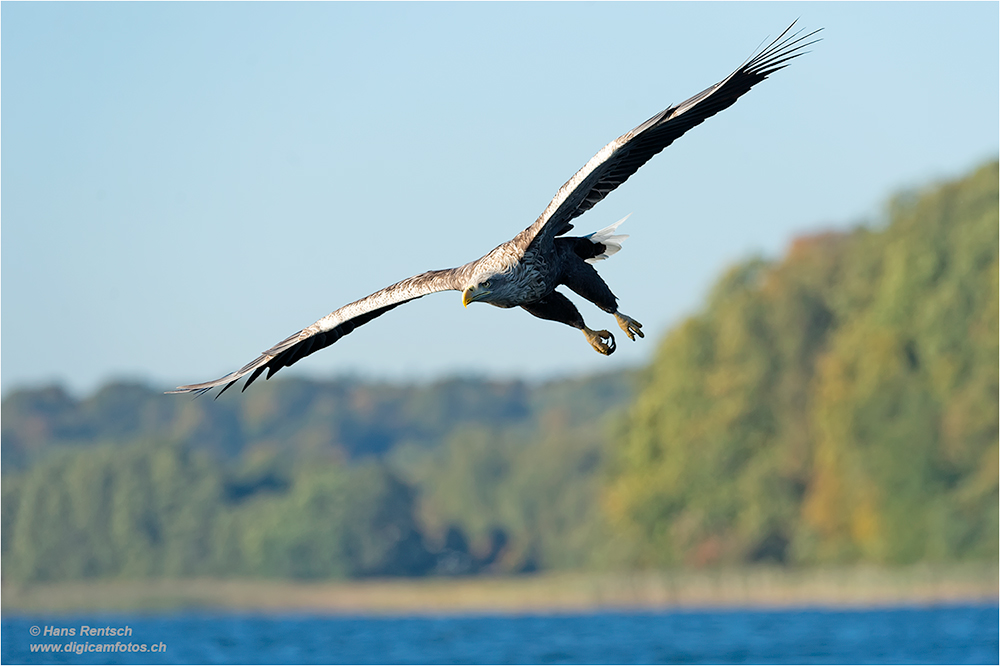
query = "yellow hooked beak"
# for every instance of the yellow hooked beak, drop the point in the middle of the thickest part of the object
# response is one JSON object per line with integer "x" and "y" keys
{"x": 473, "y": 294}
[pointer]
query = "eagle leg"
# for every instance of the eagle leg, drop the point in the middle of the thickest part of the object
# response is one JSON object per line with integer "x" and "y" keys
{"x": 597, "y": 338}
{"x": 556, "y": 307}
{"x": 631, "y": 327}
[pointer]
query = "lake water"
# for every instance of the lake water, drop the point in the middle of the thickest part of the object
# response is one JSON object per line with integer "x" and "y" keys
{"x": 943, "y": 634}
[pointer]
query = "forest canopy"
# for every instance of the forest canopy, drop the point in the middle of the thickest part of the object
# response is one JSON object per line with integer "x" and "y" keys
{"x": 837, "y": 406}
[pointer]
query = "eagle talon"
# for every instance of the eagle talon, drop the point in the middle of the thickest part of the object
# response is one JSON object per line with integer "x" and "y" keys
{"x": 631, "y": 327}
{"x": 597, "y": 338}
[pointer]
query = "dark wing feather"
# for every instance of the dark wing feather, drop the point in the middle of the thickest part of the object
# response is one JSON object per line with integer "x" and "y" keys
{"x": 622, "y": 157}
{"x": 333, "y": 327}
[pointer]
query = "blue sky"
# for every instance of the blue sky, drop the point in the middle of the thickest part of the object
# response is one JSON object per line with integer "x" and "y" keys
{"x": 185, "y": 184}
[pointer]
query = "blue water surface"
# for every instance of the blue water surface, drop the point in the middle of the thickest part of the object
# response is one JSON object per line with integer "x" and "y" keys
{"x": 966, "y": 634}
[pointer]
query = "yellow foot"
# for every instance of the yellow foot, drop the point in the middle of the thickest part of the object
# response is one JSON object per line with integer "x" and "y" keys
{"x": 597, "y": 338}
{"x": 631, "y": 327}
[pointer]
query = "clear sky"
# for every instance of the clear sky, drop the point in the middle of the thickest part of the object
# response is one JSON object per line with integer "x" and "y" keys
{"x": 185, "y": 184}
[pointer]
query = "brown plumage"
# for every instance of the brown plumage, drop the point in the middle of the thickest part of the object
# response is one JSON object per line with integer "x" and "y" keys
{"x": 526, "y": 270}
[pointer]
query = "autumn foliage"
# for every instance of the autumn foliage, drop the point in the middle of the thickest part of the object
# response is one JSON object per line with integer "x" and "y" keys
{"x": 839, "y": 405}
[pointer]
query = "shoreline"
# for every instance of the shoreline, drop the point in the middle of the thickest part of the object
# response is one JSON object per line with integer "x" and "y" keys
{"x": 549, "y": 593}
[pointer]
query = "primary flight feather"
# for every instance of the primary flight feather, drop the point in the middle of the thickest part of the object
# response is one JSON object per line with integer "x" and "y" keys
{"x": 526, "y": 270}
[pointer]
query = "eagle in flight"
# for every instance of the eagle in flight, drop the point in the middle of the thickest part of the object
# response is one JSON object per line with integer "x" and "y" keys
{"x": 526, "y": 270}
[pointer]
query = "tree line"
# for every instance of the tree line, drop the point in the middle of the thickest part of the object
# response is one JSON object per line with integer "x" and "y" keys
{"x": 837, "y": 405}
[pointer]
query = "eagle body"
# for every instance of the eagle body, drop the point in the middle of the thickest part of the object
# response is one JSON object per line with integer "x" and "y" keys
{"x": 543, "y": 265}
{"x": 526, "y": 275}
{"x": 528, "y": 270}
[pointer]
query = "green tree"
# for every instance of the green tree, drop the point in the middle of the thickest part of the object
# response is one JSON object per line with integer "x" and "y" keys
{"x": 906, "y": 395}
{"x": 113, "y": 511}
{"x": 333, "y": 522}
{"x": 525, "y": 497}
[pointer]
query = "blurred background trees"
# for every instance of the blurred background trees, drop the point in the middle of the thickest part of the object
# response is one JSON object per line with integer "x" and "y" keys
{"x": 836, "y": 406}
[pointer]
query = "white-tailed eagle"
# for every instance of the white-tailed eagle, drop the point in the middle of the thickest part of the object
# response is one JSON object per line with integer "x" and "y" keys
{"x": 526, "y": 270}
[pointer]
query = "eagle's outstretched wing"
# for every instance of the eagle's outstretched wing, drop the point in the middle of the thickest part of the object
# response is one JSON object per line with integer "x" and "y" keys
{"x": 621, "y": 158}
{"x": 602, "y": 174}
{"x": 334, "y": 326}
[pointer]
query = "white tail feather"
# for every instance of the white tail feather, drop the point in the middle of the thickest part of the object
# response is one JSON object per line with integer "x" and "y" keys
{"x": 612, "y": 242}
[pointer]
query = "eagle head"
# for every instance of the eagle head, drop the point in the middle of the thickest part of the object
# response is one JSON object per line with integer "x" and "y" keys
{"x": 498, "y": 288}
{"x": 501, "y": 278}
{"x": 480, "y": 291}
